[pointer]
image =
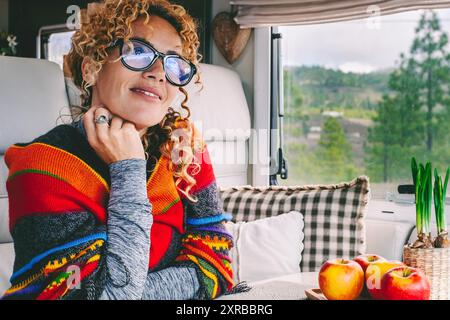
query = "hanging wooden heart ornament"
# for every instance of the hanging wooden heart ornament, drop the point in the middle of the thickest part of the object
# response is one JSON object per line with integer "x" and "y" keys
{"x": 229, "y": 38}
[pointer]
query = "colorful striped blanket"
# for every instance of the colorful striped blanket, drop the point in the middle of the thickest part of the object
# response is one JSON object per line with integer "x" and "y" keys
{"x": 59, "y": 175}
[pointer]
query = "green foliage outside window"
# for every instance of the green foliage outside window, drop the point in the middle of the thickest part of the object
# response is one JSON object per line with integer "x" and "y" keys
{"x": 381, "y": 119}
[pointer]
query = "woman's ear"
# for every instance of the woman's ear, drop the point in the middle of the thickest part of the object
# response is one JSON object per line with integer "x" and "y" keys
{"x": 84, "y": 67}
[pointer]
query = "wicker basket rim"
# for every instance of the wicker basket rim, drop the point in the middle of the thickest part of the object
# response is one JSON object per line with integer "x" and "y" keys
{"x": 408, "y": 246}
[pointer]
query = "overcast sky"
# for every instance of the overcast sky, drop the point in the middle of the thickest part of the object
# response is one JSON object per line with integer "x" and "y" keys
{"x": 356, "y": 46}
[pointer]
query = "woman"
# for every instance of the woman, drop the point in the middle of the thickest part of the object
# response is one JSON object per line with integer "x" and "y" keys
{"x": 123, "y": 203}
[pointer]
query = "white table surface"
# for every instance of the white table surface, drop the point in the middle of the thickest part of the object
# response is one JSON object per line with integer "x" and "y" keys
{"x": 288, "y": 287}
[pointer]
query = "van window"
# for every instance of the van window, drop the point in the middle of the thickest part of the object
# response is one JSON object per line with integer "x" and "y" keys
{"x": 53, "y": 42}
{"x": 58, "y": 46}
{"x": 364, "y": 96}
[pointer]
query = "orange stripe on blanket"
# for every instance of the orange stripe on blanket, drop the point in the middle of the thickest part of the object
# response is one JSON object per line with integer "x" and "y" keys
{"x": 73, "y": 170}
{"x": 162, "y": 195}
{"x": 203, "y": 254}
{"x": 214, "y": 243}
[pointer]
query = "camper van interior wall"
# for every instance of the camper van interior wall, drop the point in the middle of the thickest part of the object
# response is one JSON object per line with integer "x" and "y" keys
{"x": 229, "y": 38}
{"x": 8, "y": 44}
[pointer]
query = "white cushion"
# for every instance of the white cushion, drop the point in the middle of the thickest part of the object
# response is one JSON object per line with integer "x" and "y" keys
{"x": 267, "y": 248}
{"x": 387, "y": 238}
{"x": 5, "y": 235}
{"x": 6, "y": 265}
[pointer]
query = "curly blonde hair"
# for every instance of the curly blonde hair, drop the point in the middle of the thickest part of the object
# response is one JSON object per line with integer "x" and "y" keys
{"x": 112, "y": 19}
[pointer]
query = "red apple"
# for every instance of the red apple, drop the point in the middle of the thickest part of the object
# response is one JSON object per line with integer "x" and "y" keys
{"x": 375, "y": 272}
{"x": 365, "y": 259}
{"x": 405, "y": 283}
{"x": 341, "y": 279}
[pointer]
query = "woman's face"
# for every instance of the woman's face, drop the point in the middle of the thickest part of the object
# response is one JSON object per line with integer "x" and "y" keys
{"x": 116, "y": 86}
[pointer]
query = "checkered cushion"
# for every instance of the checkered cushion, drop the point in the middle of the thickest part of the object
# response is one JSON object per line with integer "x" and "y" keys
{"x": 333, "y": 215}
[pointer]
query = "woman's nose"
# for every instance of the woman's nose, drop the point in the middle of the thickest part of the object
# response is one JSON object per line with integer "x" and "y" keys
{"x": 156, "y": 71}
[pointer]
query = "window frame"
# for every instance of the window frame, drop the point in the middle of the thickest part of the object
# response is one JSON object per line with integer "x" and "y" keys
{"x": 388, "y": 208}
{"x": 259, "y": 148}
{"x": 44, "y": 35}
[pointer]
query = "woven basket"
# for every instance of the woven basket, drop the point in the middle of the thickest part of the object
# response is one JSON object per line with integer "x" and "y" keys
{"x": 435, "y": 263}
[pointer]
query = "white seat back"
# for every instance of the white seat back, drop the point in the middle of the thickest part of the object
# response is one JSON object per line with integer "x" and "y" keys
{"x": 219, "y": 109}
{"x": 32, "y": 96}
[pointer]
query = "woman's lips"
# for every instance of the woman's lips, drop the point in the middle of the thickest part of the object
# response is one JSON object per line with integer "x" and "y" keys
{"x": 146, "y": 94}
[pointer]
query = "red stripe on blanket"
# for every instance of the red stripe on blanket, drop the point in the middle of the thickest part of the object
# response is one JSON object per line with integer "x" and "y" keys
{"x": 161, "y": 237}
{"x": 162, "y": 232}
{"x": 32, "y": 193}
{"x": 58, "y": 291}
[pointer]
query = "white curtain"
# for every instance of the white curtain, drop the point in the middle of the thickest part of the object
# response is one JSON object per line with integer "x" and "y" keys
{"x": 260, "y": 13}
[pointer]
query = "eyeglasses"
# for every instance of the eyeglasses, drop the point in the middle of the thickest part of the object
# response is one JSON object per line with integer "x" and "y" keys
{"x": 140, "y": 56}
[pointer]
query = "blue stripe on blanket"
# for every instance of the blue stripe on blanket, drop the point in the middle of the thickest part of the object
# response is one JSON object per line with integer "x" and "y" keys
{"x": 215, "y": 230}
{"x": 74, "y": 243}
{"x": 26, "y": 290}
{"x": 209, "y": 220}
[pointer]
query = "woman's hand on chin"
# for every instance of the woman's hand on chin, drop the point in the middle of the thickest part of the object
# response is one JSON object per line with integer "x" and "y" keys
{"x": 114, "y": 140}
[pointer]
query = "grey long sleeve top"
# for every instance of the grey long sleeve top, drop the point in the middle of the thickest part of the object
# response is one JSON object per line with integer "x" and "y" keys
{"x": 128, "y": 245}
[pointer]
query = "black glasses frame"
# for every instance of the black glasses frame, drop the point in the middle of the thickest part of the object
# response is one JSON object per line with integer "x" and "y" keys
{"x": 163, "y": 56}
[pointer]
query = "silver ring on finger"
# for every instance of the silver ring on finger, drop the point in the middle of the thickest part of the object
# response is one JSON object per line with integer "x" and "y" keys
{"x": 102, "y": 119}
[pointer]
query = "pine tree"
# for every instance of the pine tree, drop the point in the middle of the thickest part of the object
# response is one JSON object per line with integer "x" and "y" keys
{"x": 381, "y": 137}
{"x": 391, "y": 141}
{"x": 409, "y": 118}
{"x": 432, "y": 63}
{"x": 334, "y": 153}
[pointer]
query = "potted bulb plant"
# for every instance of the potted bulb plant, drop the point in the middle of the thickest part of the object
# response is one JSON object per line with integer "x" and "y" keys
{"x": 430, "y": 255}
{"x": 440, "y": 191}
